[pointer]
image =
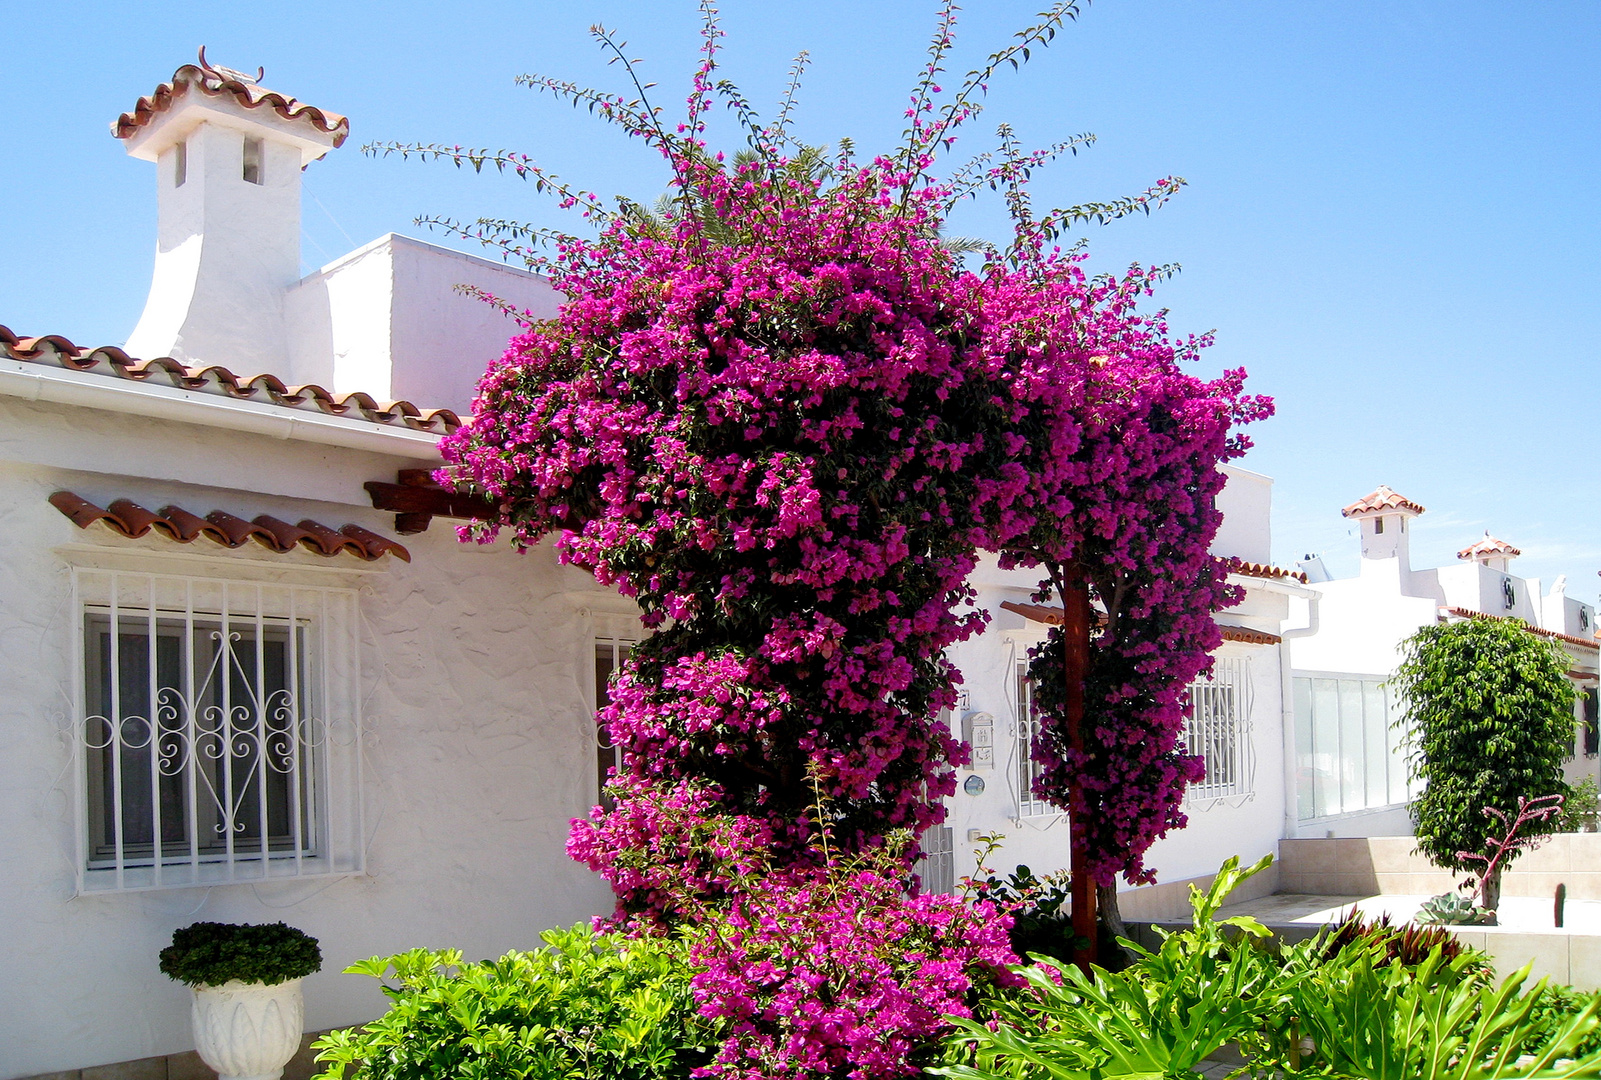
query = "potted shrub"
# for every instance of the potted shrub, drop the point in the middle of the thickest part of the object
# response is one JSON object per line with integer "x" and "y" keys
{"x": 248, "y": 1012}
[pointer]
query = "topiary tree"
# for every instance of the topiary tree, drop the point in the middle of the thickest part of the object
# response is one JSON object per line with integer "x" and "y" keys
{"x": 1490, "y": 711}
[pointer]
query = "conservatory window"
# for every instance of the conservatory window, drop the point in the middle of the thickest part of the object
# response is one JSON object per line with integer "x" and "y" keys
{"x": 217, "y": 737}
{"x": 1349, "y": 749}
{"x": 1218, "y": 731}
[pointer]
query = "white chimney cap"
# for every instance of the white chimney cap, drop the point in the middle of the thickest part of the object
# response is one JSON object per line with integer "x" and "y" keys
{"x": 206, "y": 92}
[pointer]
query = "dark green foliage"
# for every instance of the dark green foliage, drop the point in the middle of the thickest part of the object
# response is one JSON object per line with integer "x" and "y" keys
{"x": 1490, "y": 710}
{"x": 1558, "y": 1006}
{"x": 1040, "y": 908}
{"x": 210, "y": 954}
{"x": 588, "y": 1005}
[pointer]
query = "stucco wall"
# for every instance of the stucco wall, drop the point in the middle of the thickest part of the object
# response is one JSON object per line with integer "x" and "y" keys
{"x": 475, "y": 673}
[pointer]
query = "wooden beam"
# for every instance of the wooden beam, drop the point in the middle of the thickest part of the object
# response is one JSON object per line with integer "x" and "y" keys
{"x": 417, "y": 500}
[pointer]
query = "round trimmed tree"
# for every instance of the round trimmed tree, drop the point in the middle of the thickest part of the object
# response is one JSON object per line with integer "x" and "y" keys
{"x": 1490, "y": 711}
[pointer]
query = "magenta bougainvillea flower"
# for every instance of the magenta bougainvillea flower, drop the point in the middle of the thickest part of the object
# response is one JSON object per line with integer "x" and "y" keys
{"x": 787, "y": 419}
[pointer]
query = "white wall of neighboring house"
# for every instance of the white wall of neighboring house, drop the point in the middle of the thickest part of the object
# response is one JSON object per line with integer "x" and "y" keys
{"x": 476, "y": 687}
{"x": 390, "y": 319}
{"x": 1340, "y": 671}
{"x": 1248, "y": 822}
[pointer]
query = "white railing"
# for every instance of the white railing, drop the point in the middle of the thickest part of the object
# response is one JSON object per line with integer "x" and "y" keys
{"x": 218, "y": 735}
{"x": 1218, "y": 730}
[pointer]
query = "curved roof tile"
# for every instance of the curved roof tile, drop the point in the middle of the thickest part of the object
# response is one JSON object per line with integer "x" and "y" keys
{"x": 1381, "y": 498}
{"x": 212, "y": 81}
{"x": 112, "y": 361}
{"x": 1489, "y": 546}
{"x": 133, "y": 521}
{"x": 1265, "y": 570}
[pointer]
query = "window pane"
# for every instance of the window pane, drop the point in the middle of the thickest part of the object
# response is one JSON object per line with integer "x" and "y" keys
{"x": 1326, "y": 737}
{"x": 1376, "y": 740}
{"x": 609, "y": 656}
{"x": 1353, "y": 787}
{"x": 1305, "y": 752}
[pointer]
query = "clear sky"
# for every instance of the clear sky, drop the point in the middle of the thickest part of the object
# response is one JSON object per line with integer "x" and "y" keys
{"x": 1392, "y": 218}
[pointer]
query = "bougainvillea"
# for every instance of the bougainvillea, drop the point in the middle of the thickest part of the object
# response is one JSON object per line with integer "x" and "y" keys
{"x": 839, "y": 973}
{"x": 786, "y": 416}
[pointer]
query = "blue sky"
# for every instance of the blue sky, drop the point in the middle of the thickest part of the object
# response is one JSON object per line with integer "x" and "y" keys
{"x": 1392, "y": 218}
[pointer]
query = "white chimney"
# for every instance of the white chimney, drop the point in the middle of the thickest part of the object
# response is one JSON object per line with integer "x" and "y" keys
{"x": 1383, "y": 516}
{"x": 228, "y": 156}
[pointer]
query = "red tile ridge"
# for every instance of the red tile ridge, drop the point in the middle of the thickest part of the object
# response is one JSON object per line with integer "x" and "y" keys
{"x": 128, "y": 518}
{"x": 1248, "y": 636}
{"x": 1381, "y": 498}
{"x": 109, "y": 360}
{"x": 214, "y": 81}
{"x": 1264, "y": 570}
{"x": 1488, "y": 546}
{"x": 1469, "y": 613}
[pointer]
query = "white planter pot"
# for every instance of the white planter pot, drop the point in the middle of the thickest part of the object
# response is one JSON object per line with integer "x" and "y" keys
{"x": 248, "y": 1031}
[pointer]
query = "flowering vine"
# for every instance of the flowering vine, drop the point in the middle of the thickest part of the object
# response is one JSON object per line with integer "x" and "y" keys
{"x": 785, "y": 415}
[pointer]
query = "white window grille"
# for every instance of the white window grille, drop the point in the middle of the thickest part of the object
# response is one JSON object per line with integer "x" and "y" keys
{"x": 937, "y": 867}
{"x": 1028, "y": 734}
{"x": 1218, "y": 731}
{"x": 218, "y": 736}
{"x": 610, "y": 652}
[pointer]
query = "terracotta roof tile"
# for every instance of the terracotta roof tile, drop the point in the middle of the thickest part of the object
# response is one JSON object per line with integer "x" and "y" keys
{"x": 1265, "y": 570}
{"x": 1249, "y": 636}
{"x": 110, "y": 361}
{"x": 1381, "y": 498}
{"x": 1489, "y": 546}
{"x": 213, "y": 81}
{"x": 132, "y": 520}
{"x": 1469, "y": 613}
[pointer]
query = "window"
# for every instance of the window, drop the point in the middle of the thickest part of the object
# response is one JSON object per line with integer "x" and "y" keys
{"x": 1592, "y": 731}
{"x": 217, "y": 737}
{"x": 1028, "y": 733}
{"x": 254, "y": 153}
{"x": 1378, "y": 526}
{"x": 937, "y": 867}
{"x": 180, "y": 164}
{"x": 1218, "y": 731}
{"x": 610, "y": 652}
{"x": 1349, "y": 753}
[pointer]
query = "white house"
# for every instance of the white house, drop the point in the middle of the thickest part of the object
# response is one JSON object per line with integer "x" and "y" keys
{"x": 1350, "y": 778}
{"x": 233, "y": 691}
{"x": 238, "y": 691}
{"x": 1238, "y": 720}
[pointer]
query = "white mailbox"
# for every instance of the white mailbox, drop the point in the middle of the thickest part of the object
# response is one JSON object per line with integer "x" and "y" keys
{"x": 978, "y": 731}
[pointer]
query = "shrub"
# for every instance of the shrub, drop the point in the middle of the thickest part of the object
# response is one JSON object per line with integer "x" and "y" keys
{"x": 1491, "y": 712}
{"x": 210, "y": 954}
{"x": 837, "y": 972}
{"x": 588, "y": 1005}
{"x": 1407, "y": 945}
{"x": 1580, "y": 811}
{"x": 1346, "y": 1011}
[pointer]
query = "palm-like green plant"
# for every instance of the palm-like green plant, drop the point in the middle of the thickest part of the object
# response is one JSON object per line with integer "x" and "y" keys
{"x": 1442, "y": 1020}
{"x": 1342, "y": 1014}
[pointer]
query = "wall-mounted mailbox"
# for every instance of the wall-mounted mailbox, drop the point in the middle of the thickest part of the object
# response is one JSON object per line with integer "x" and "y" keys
{"x": 978, "y": 731}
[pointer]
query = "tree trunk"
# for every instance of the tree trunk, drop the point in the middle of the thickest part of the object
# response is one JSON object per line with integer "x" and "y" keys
{"x": 1490, "y": 891}
{"x": 1076, "y": 620}
{"x": 1111, "y": 917}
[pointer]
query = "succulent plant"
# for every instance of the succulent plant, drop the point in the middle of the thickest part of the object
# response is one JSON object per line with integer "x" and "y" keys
{"x": 1452, "y": 909}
